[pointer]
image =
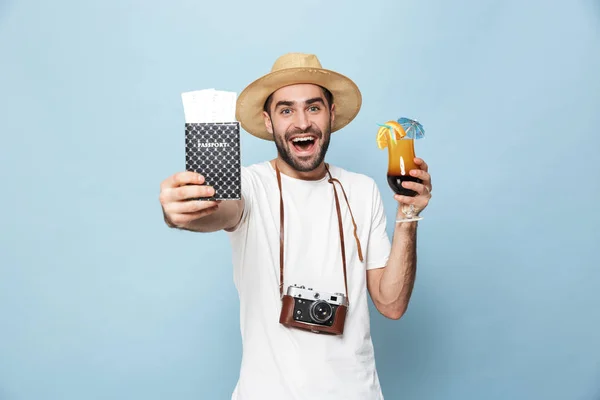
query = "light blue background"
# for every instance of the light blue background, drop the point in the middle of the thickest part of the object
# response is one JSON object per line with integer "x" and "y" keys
{"x": 99, "y": 300}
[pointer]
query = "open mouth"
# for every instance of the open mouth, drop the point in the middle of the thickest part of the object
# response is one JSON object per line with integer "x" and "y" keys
{"x": 304, "y": 144}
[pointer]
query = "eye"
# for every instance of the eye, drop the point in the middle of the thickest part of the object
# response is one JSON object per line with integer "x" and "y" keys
{"x": 285, "y": 111}
{"x": 314, "y": 108}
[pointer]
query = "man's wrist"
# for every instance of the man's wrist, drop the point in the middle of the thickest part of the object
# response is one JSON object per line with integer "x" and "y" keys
{"x": 406, "y": 226}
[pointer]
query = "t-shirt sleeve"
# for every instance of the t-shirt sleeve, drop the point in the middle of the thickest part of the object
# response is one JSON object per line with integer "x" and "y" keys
{"x": 379, "y": 245}
{"x": 238, "y": 235}
{"x": 248, "y": 195}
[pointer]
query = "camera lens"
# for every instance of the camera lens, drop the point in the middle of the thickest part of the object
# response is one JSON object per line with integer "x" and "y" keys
{"x": 320, "y": 311}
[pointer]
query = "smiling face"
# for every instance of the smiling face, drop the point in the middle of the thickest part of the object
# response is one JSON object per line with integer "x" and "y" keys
{"x": 300, "y": 118}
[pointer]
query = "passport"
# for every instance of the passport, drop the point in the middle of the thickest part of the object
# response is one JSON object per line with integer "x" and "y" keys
{"x": 212, "y": 149}
{"x": 212, "y": 141}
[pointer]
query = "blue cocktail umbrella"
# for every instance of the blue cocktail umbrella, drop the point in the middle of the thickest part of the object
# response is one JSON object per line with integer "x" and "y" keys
{"x": 413, "y": 129}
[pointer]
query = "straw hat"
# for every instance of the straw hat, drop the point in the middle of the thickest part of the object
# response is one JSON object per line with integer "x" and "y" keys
{"x": 294, "y": 68}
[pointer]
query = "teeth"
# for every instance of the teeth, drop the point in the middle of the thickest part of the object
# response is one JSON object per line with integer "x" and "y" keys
{"x": 302, "y": 139}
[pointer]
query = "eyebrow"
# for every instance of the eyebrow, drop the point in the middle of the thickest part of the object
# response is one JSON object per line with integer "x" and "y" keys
{"x": 289, "y": 103}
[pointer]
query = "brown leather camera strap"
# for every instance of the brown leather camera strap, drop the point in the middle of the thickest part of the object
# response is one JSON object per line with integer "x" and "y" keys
{"x": 331, "y": 180}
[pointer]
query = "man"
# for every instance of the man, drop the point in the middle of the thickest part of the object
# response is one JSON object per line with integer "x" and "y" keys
{"x": 286, "y": 231}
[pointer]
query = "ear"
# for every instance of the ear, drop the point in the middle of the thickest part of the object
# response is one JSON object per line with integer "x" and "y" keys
{"x": 268, "y": 123}
{"x": 332, "y": 112}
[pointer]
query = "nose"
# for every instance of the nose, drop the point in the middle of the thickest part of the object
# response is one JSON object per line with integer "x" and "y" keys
{"x": 302, "y": 121}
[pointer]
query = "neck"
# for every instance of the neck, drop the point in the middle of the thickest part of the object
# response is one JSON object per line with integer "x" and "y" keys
{"x": 285, "y": 168}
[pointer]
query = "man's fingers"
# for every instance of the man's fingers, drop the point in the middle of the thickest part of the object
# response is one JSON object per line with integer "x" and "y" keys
{"x": 193, "y": 191}
{"x": 423, "y": 189}
{"x": 405, "y": 199}
{"x": 190, "y": 207}
{"x": 178, "y": 197}
{"x": 421, "y": 174}
{"x": 181, "y": 179}
{"x": 187, "y": 178}
{"x": 417, "y": 187}
{"x": 188, "y": 192}
{"x": 424, "y": 176}
{"x": 420, "y": 202}
{"x": 184, "y": 219}
{"x": 421, "y": 164}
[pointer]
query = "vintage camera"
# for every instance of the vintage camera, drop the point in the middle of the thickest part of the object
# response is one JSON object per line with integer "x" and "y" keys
{"x": 317, "y": 311}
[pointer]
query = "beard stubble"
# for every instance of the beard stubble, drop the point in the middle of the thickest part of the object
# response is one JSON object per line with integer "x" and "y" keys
{"x": 299, "y": 164}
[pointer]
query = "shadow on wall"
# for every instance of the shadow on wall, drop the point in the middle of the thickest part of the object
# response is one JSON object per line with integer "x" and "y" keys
{"x": 595, "y": 7}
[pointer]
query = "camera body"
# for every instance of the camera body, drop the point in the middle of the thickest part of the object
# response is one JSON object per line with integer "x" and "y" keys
{"x": 317, "y": 311}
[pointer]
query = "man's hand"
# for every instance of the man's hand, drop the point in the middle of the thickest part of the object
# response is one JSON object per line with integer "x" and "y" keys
{"x": 175, "y": 194}
{"x": 391, "y": 287}
{"x": 423, "y": 189}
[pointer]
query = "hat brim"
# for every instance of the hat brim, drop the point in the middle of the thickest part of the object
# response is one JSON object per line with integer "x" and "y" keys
{"x": 249, "y": 109}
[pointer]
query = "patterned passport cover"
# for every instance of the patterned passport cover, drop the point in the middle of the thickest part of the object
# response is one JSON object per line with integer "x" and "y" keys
{"x": 213, "y": 150}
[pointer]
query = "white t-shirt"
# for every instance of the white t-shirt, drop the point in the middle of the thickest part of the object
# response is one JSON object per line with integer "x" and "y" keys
{"x": 288, "y": 363}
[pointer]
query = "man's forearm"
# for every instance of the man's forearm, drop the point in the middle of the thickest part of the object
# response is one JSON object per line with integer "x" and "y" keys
{"x": 393, "y": 286}
{"x": 397, "y": 281}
